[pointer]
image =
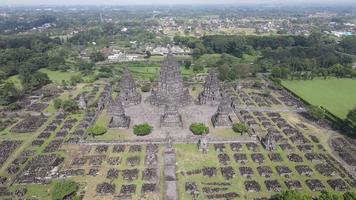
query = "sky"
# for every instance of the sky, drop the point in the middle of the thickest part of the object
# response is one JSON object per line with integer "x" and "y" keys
{"x": 169, "y": 2}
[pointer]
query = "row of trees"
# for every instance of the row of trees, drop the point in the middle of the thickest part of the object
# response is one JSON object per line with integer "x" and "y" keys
{"x": 285, "y": 56}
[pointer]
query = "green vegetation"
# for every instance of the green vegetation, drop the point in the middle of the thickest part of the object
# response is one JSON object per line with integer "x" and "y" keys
{"x": 63, "y": 189}
{"x": 239, "y": 128}
{"x": 351, "y": 119}
{"x": 97, "y": 130}
{"x": 316, "y": 112}
{"x": 68, "y": 105}
{"x": 199, "y": 129}
{"x": 142, "y": 129}
{"x": 292, "y": 195}
{"x": 338, "y": 96}
{"x": 146, "y": 87}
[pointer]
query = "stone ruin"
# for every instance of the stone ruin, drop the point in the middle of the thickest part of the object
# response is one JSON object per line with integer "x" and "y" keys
{"x": 128, "y": 94}
{"x": 171, "y": 116}
{"x": 203, "y": 145}
{"x": 82, "y": 104}
{"x": 117, "y": 113}
{"x": 269, "y": 142}
{"x": 221, "y": 118}
{"x": 211, "y": 93}
{"x": 169, "y": 85}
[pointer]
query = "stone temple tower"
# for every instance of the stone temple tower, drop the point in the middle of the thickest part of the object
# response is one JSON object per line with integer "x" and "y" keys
{"x": 221, "y": 118}
{"x": 171, "y": 116}
{"x": 117, "y": 113}
{"x": 211, "y": 93}
{"x": 128, "y": 94}
{"x": 169, "y": 85}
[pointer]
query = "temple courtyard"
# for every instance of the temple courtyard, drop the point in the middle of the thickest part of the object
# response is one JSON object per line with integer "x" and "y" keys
{"x": 283, "y": 149}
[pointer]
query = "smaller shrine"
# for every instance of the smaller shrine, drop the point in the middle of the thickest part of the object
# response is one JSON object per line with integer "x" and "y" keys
{"x": 117, "y": 113}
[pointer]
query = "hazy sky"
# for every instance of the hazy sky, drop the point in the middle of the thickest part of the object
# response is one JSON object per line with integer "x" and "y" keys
{"x": 148, "y": 2}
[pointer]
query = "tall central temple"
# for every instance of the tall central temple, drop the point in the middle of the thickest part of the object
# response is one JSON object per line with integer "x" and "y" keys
{"x": 169, "y": 85}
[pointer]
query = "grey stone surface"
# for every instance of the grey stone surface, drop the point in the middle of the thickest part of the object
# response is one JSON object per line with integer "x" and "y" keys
{"x": 128, "y": 94}
{"x": 117, "y": 113}
{"x": 169, "y": 85}
{"x": 211, "y": 93}
{"x": 221, "y": 118}
{"x": 171, "y": 116}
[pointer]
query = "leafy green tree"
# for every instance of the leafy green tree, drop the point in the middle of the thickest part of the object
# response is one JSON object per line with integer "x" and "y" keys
{"x": 55, "y": 62}
{"x": 70, "y": 105}
{"x": 32, "y": 81}
{"x": 316, "y": 112}
{"x": 199, "y": 129}
{"x": 97, "y": 130}
{"x": 337, "y": 69}
{"x": 240, "y": 128}
{"x": 8, "y": 93}
{"x": 97, "y": 56}
{"x": 75, "y": 79}
{"x": 63, "y": 189}
{"x": 142, "y": 129}
{"x": 187, "y": 64}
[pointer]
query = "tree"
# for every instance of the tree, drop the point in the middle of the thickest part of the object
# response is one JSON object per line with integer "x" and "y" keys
{"x": 70, "y": 105}
{"x": 75, "y": 79}
{"x": 316, "y": 112}
{"x": 63, "y": 189}
{"x": 8, "y": 93}
{"x": 97, "y": 130}
{"x": 337, "y": 70}
{"x": 199, "y": 129}
{"x": 97, "y": 56}
{"x": 32, "y": 81}
{"x": 142, "y": 129}
{"x": 55, "y": 62}
{"x": 187, "y": 64}
{"x": 240, "y": 128}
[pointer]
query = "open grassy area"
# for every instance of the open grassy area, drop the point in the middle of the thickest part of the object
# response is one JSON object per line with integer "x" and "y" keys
{"x": 58, "y": 76}
{"x": 336, "y": 95}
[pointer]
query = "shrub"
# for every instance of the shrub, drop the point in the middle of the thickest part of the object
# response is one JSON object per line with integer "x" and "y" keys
{"x": 142, "y": 129}
{"x": 70, "y": 105}
{"x": 199, "y": 129}
{"x": 146, "y": 88}
{"x": 239, "y": 128}
{"x": 63, "y": 189}
{"x": 97, "y": 130}
{"x": 75, "y": 79}
{"x": 316, "y": 112}
{"x": 57, "y": 103}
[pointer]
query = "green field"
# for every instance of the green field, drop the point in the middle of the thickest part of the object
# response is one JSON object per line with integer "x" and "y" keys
{"x": 58, "y": 76}
{"x": 336, "y": 95}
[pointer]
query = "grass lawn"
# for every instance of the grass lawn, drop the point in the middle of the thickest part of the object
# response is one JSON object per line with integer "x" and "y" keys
{"x": 336, "y": 95}
{"x": 58, "y": 76}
